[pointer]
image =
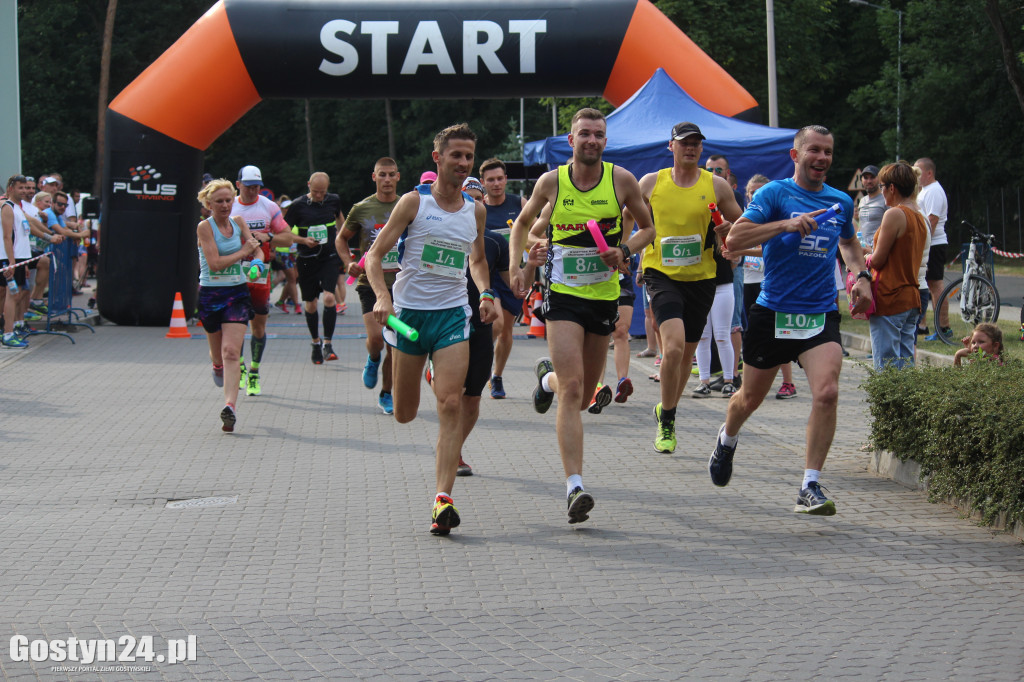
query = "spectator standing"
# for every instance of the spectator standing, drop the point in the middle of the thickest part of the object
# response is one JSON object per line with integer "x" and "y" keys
{"x": 894, "y": 267}
{"x": 932, "y": 200}
{"x": 869, "y": 210}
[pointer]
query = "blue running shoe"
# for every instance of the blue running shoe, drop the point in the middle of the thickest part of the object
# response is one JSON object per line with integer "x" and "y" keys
{"x": 386, "y": 403}
{"x": 370, "y": 371}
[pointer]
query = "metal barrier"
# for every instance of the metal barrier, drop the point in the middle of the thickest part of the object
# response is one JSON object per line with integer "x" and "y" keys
{"x": 62, "y": 257}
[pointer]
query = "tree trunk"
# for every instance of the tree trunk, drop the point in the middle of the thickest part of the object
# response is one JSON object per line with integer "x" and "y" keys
{"x": 1009, "y": 57}
{"x": 391, "y": 129}
{"x": 309, "y": 139}
{"x": 101, "y": 121}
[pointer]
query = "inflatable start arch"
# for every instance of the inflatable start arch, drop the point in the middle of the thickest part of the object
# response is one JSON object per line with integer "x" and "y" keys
{"x": 249, "y": 50}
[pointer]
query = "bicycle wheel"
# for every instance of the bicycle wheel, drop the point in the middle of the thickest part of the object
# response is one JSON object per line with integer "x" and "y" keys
{"x": 979, "y": 303}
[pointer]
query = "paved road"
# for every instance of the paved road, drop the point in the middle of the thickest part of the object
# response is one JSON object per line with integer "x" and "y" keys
{"x": 324, "y": 569}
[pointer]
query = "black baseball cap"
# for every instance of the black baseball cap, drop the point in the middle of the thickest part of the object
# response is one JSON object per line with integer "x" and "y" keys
{"x": 870, "y": 170}
{"x": 681, "y": 131}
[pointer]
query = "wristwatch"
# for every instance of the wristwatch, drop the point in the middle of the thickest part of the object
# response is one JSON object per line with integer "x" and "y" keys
{"x": 865, "y": 274}
{"x": 625, "y": 251}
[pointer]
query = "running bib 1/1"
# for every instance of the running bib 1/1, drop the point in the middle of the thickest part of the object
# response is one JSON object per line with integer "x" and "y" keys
{"x": 444, "y": 257}
{"x": 681, "y": 251}
{"x": 232, "y": 274}
{"x": 798, "y": 325}
{"x": 390, "y": 260}
{"x": 581, "y": 267}
{"x": 317, "y": 232}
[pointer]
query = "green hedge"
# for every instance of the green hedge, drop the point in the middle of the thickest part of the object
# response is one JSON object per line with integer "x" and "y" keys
{"x": 963, "y": 425}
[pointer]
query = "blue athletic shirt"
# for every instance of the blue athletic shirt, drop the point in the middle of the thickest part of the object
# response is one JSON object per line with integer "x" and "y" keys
{"x": 799, "y": 277}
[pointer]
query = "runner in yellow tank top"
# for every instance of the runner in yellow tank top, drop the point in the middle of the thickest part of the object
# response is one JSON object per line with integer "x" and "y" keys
{"x": 679, "y": 266}
{"x": 580, "y": 302}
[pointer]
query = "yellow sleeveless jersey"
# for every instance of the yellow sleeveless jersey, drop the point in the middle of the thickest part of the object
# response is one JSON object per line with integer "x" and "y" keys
{"x": 684, "y": 241}
{"x": 574, "y": 266}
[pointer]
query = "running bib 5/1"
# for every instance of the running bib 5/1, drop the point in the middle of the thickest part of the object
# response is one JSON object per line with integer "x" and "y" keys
{"x": 583, "y": 266}
{"x": 681, "y": 251}
{"x": 444, "y": 257}
{"x": 798, "y": 325}
{"x": 232, "y": 274}
{"x": 317, "y": 232}
{"x": 390, "y": 260}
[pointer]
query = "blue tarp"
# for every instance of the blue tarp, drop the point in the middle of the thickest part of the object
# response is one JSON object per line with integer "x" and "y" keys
{"x": 638, "y": 133}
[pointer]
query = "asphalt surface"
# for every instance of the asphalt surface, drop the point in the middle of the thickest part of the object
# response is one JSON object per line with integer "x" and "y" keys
{"x": 318, "y": 564}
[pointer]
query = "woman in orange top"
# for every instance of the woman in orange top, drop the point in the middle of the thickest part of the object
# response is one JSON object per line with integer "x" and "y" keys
{"x": 899, "y": 244}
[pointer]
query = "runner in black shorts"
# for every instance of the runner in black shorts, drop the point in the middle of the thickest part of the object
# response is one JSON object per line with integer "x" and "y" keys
{"x": 317, "y": 215}
{"x": 795, "y": 316}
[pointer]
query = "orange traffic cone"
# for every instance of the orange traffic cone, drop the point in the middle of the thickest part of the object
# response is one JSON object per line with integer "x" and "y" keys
{"x": 537, "y": 328}
{"x": 527, "y": 311}
{"x": 179, "y": 328}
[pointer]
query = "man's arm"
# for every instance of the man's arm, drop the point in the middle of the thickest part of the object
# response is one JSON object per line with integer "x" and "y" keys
{"x": 628, "y": 190}
{"x": 745, "y": 233}
{"x": 7, "y": 220}
{"x": 478, "y": 267}
{"x": 853, "y": 256}
{"x": 543, "y": 194}
{"x": 404, "y": 213}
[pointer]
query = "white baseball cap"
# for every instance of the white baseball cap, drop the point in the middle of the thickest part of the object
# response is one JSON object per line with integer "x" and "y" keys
{"x": 250, "y": 175}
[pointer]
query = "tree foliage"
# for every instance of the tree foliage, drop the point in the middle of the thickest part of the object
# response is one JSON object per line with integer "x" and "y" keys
{"x": 836, "y": 65}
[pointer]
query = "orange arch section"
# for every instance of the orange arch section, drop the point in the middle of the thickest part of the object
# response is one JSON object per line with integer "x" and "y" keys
{"x": 653, "y": 41}
{"x": 162, "y": 93}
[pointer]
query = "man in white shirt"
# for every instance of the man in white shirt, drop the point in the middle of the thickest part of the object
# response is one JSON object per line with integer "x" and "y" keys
{"x": 932, "y": 201}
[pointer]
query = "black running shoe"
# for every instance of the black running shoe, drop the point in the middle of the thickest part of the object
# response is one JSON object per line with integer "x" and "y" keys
{"x": 329, "y": 353}
{"x": 720, "y": 464}
{"x": 542, "y": 399}
{"x": 602, "y": 399}
{"x": 318, "y": 353}
{"x": 227, "y": 416}
{"x": 580, "y": 504}
{"x": 812, "y": 501}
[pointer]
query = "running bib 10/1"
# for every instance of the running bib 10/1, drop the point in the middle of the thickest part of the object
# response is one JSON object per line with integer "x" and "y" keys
{"x": 444, "y": 257}
{"x": 798, "y": 325}
{"x": 318, "y": 232}
{"x": 681, "y": 251}
{"x": 232, "y": 274}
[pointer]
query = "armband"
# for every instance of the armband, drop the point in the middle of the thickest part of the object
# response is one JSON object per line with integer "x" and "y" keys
{"x": 865, "y": 274}
{"x": 625, "y": 251}
{"x": 487, "y": 295}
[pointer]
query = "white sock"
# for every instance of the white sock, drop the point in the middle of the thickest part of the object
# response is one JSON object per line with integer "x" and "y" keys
{"x": 727, "y": 440}
{"x": 442, "y": 494}
{"x": 544, "y": 382}
{"x": 809, "y": 476}
{"x": 573, "y": 482}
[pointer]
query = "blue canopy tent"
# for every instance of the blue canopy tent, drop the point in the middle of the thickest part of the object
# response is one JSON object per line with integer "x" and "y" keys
{"x": 638, "y": 133}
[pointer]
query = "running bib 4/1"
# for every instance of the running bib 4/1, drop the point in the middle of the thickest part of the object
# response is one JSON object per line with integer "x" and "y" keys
{"x": 390, "y": 260}
{"x": 444, "y": 257}
{"x": 681, "y": 251}
{"x": 317, "y": 232}
{"x": 583, "y": 266}
{"x": 798, "y": 325}
{"x": 232, "y": 274}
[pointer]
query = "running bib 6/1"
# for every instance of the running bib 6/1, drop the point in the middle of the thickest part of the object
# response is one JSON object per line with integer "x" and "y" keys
{"x": 583, "y": 266}
{"x": 317, "y": 232}
{"x": 681, "y": 251}
{"x": 798, "y": 325}
{"x": 232, "y": 274}
{"x": 390, "y": 260}
{"x": 444, "y": 257}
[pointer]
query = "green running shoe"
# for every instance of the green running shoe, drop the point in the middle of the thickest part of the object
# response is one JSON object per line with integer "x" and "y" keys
{"x": 445, "y": 516}
{"x": 254, "y": 384}
{"x": 666, "y": 438}
{"x": 243, "y": 379}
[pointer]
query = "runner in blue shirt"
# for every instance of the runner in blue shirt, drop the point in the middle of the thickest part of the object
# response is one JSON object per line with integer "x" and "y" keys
{"x": 795, "y": 316}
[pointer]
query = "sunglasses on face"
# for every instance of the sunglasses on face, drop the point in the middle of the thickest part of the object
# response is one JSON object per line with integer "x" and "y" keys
{"x": 61, "y": 203}
{"x": 717, "y": 171}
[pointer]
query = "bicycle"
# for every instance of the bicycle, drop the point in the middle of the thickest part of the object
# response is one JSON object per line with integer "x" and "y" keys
{"x": 974, "y": 296}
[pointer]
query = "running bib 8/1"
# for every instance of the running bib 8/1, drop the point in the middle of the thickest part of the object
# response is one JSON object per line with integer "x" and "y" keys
{"x": 798, "y": 325}
{"x": 583, "y": 266}
{"x": 390, "y": 260}
{"x": 681, "y": 251}
{"x": 444, "y": 257}
{"x": 232, "y": 274}
{"x": 317, "y": 232}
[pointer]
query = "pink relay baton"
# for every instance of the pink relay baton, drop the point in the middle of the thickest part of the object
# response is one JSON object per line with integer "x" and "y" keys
{"x": 595, "y": 232}
{"x": 716, "y": 216}
{"x": 352, "y": 280}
